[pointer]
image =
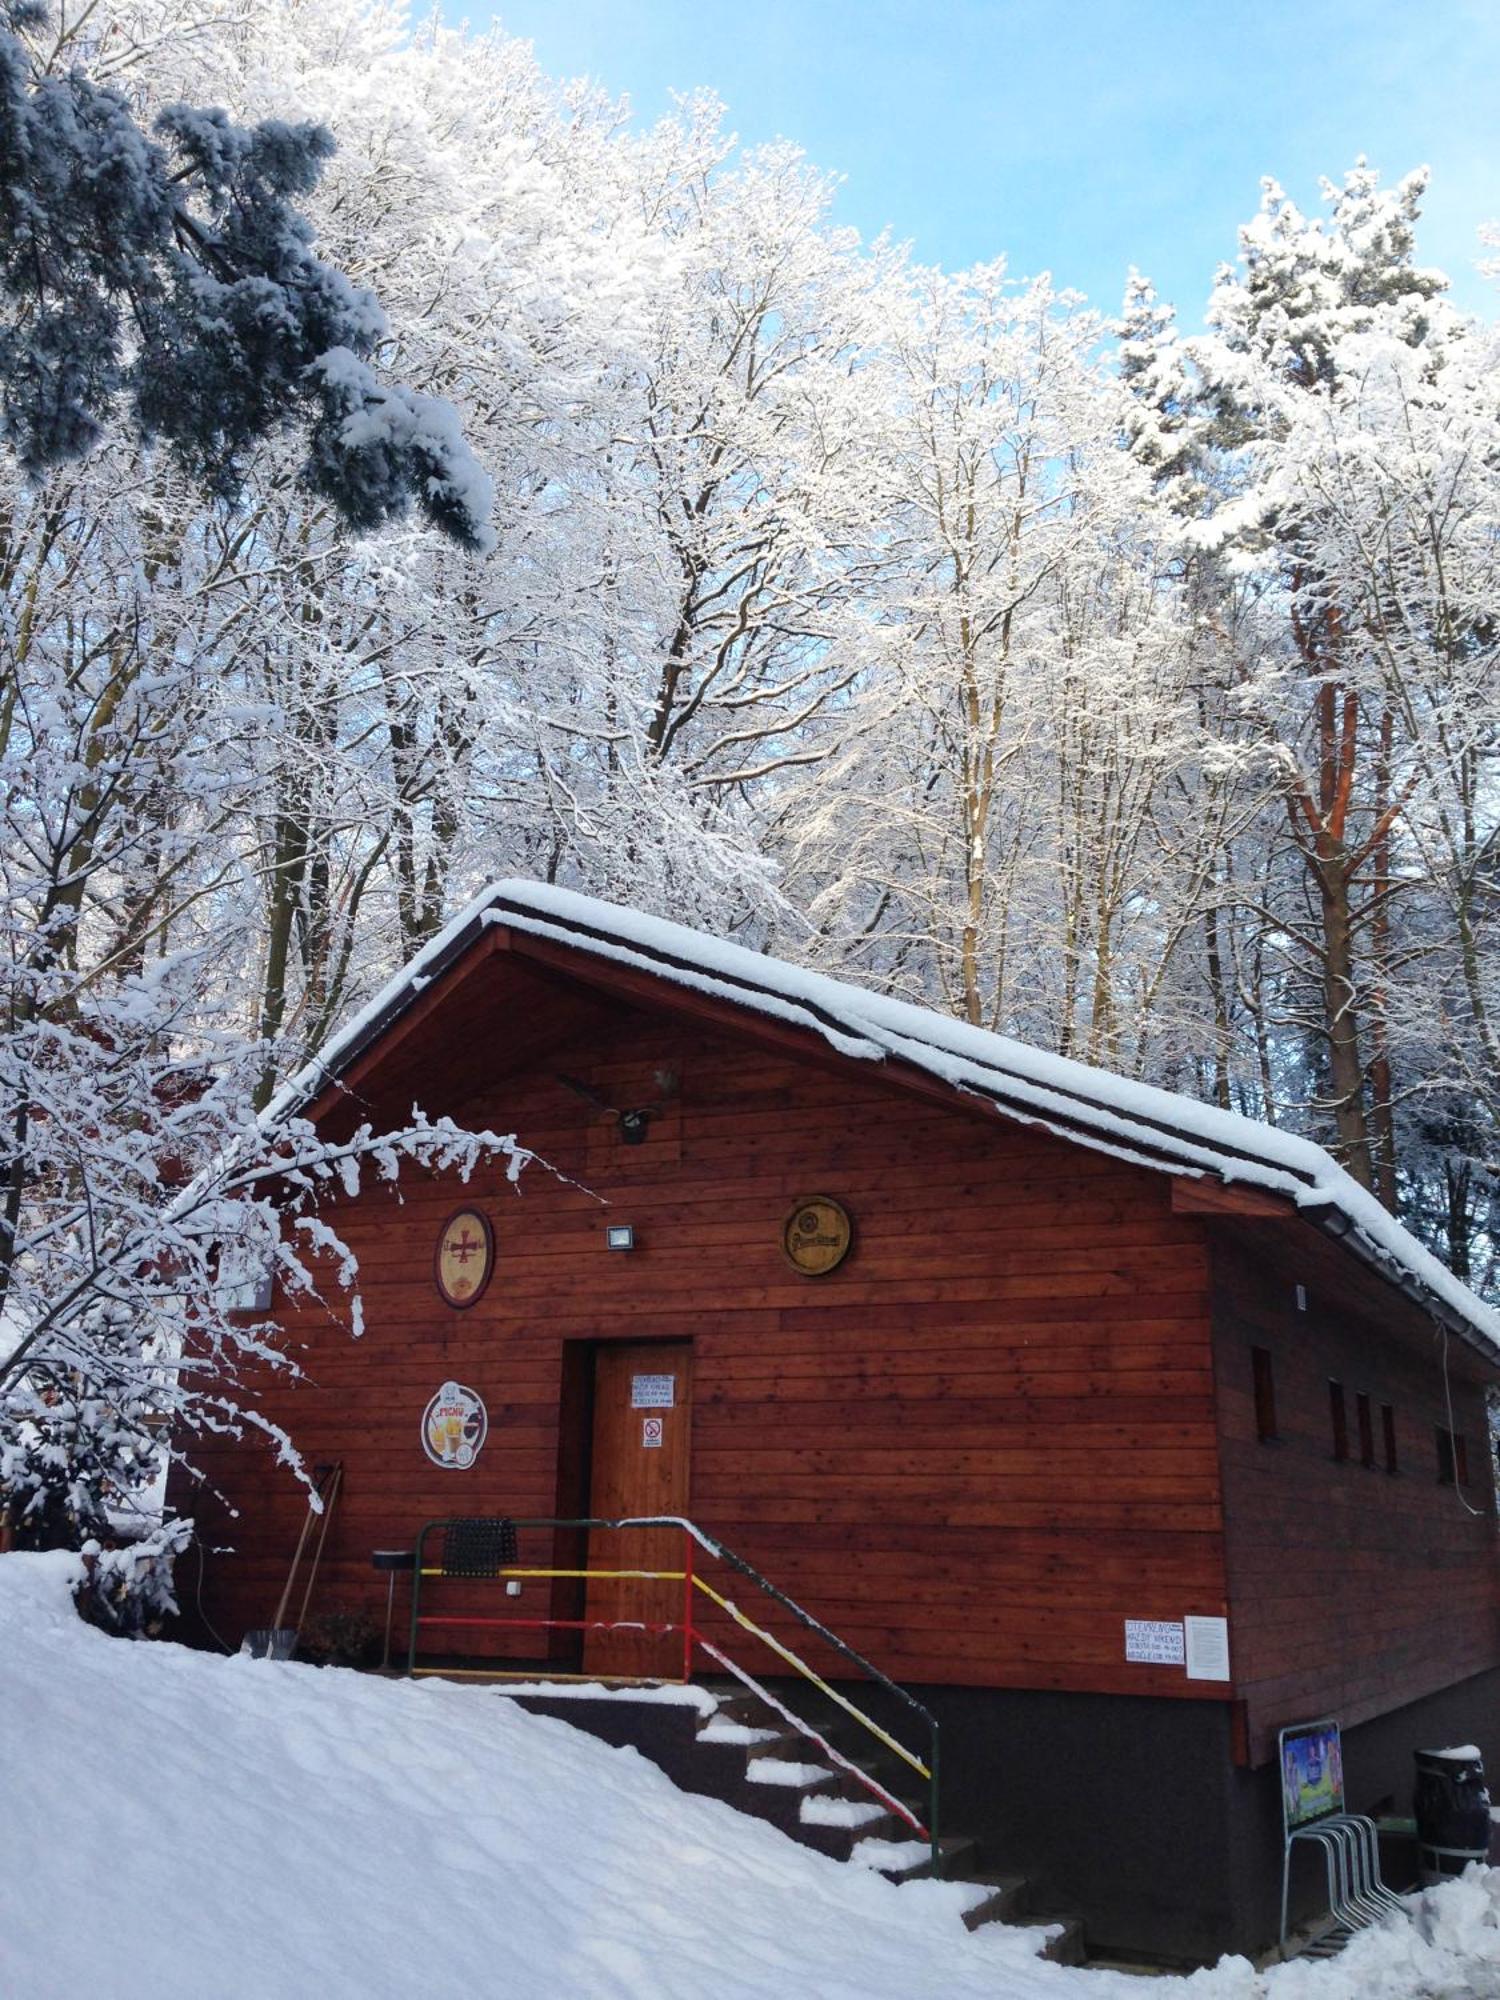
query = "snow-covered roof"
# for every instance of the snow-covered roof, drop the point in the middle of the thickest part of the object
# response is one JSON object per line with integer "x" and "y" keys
{"x": 1092, "y": 1107}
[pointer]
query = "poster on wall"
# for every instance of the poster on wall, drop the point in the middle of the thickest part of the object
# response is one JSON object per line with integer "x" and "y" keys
{"x": 1312, "y": 1772}
{"x": 454, "y": 1427}
{"x": 1206, "y": 1643}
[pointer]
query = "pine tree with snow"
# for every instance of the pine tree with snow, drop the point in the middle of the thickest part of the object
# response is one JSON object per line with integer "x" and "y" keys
{"x": 169, "y": 278}
{"x": 1300, "y": 439}
{"x": 78, "y": 1448}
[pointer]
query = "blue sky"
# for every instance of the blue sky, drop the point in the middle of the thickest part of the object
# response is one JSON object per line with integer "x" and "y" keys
{"x": 1077, "y": 136}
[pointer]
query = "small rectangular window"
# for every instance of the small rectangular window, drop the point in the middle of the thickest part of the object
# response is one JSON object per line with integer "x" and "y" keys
{"x": 1388, "y": 1425}
{"x": 1339, "y": 1419}
{"x": 1445, "y": 1458}
{"x": 1265, "y": 1393}
{"x": 1461, "y": 1457}
{"x": 1366, "y": 1429}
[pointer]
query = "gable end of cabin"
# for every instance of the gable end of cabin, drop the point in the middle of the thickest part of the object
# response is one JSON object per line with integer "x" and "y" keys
{"x": 1053, "y": 1399}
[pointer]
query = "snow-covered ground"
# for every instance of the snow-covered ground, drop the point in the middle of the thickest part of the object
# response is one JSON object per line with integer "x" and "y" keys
{"x": 176, "y": 1826}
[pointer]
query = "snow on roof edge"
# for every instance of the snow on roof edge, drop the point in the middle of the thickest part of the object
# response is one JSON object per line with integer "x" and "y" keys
{"x": 1161, "y": 1129}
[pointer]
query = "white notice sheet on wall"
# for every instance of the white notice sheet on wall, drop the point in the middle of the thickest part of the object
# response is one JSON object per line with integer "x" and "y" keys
{"x": 1154, "y": 1642}
{"x": 1207, "y": 1649}
{"x": 652, "y": 1392}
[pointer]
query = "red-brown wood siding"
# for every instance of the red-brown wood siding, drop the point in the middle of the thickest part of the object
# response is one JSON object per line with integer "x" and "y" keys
{"x": 974, "y": 1450}
{"x": 1352, "y": 1592}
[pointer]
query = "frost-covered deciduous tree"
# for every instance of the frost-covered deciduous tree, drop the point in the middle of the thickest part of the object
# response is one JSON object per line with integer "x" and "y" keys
{"x": 132, "y": 1161}
{"x": 161, "y": 289}
{"x": 1006, "y": 825}
{"x": 970, "y": 424}
{"x": 1414, "y": 510}
{"x": 1329, "y": 440}
{"x": 683, "y": 629}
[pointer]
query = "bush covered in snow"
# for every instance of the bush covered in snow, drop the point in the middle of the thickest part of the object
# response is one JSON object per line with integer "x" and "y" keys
{"x": 129, "y": 1590}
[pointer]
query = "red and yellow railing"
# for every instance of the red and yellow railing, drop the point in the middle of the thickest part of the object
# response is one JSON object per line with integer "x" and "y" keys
{"x": 496, "y": 1561}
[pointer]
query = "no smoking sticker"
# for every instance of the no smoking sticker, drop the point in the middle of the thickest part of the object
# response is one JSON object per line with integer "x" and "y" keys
{"x": 651, "y": 1430}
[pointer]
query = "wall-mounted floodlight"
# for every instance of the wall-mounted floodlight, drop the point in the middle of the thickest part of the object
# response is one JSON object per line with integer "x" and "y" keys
{"x": 620, "y": 1236}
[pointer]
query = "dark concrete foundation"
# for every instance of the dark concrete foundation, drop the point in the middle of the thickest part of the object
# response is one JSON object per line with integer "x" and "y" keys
{"x": 1132, "y": 1811}
{"x": 1115, "y": 1806}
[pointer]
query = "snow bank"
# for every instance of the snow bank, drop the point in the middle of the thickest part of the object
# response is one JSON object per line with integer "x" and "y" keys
{"x": 177, "y": 1824}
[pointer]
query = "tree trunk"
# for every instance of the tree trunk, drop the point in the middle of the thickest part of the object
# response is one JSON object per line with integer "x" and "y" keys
{"x": 1220, "y": 1000}
{"x": 1382, "y": 1089}
{"x": 1346, "y": 1076}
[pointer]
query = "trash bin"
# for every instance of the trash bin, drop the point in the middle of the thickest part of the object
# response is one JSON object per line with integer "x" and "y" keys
{"x": 1452, "y": 1810}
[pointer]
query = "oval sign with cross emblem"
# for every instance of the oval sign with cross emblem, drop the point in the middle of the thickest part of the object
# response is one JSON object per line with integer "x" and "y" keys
{"x": 465, "y": 1257}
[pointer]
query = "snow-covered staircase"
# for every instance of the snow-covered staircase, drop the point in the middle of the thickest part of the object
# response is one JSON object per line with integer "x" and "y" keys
{"x": 726, "y": 1743}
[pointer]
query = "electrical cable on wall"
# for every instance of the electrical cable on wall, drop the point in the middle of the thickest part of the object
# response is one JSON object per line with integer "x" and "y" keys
{"x": 1477, "y": 1512}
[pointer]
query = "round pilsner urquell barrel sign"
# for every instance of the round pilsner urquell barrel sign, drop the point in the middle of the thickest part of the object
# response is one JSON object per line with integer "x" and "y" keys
{"x": 816, "y": 1235}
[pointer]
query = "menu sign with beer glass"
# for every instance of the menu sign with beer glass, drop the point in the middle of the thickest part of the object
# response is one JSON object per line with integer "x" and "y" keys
{"x": 454, "y": 1427}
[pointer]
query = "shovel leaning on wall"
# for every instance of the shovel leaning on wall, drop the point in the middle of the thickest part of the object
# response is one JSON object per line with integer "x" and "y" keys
{"x": 277, "y": 1641}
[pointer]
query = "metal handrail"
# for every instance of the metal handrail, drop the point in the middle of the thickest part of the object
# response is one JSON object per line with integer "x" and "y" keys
{"x": 691, "y": 1637}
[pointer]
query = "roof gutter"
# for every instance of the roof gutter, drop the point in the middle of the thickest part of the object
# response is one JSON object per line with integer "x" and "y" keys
{"x": 1334, "y": 1223}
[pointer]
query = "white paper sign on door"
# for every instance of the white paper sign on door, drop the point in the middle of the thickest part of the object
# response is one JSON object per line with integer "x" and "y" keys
{"x": 652, "y": 1392}
{"x": 651, "y": 1432}
{"x": 1207, "y": 1648}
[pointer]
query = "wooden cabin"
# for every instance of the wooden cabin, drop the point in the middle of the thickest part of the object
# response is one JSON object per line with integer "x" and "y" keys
{"x": 1120, "y": 1430}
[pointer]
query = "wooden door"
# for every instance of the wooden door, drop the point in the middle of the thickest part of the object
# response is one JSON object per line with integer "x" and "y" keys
{"x": 642, "y": 1419}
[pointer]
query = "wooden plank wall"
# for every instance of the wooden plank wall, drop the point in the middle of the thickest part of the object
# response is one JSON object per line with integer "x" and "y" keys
{"x": 1352, "y": 1592}
{"x": 974, "y": 1450}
